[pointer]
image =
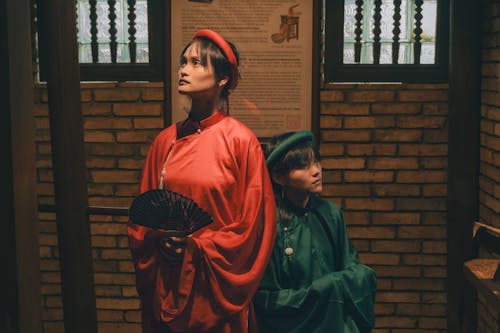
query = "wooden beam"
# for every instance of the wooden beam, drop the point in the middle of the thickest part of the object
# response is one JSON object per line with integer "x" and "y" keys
{"x": 68, "y": 157}
{"x": 21, "y": 297}
{"x": 463, "y": 159}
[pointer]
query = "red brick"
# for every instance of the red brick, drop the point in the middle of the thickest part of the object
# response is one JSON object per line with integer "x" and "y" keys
{"x": 331, "y": 149}
{"x": 389, "y": 190}
{"x": 368, "y": 176}
{"x": 116, "y": 95}
{"x": 112, "y": 150}
{"x": 136, "y": 136}
{"x": 394, "y": 322}
{"x": 119, "y": 327}
{"x": 126, "y": 190}
{"x": 378, "y": 149}
{"x": 423, "y": 150}
{"x": 419, "y": 284}
{"x": 423, "y": 95}
{"x": 395, "y": 108}
{"x": 435, "y": 109}
{"x": 435, "y": 323}
{"x": 108, "y": 290}
{"x": 107, "y": 229}
{"x": 114, "y": 176}
{"x": 439, "y": 190}
{"x": 371, "y": 96}
{"x": 348, "y": 190}
{"x": 327, "y": 122}
{"x": 369, "y": 204}
{"x": 133, "y": 316}
{"x": 357, "y": 232}
{"x": 424, "y": 260}
{"x": 153, "y": 94}
{"x": 434, "y": 247}
{"x": 96, "y": 109}
{"x": 379, "y": 259}
{"x": 107, "y": 123}
{"x": 368, "y": 122}
{"x": 346, "y": 135}
{"x": 435, "y": 272}
{"x": 109, "y": 316}
{"x": 148, "y": 123}
{"x": 115, "y": 279}
{"x": 343, "y": 163}
{"x": 118, "y": 254}
{"x": 117, "y": 303}
{"x": 421, "y": 232}
{"x": 100, "y": 189}
{"x": 133, "y": 109}
{"x": 420, "y": 309}
{"x": 434, "y": 218}
{"x": 434, "y": 163}
{"x": 396, "y": 218}
{"x": 397, "y": 135}
{"x": 397, "y": 271}
{"x": 421, "y": 176}
{"x": 331, "y": 96}
{"x": 103, "y": 241}
{"x": 398, "y": 297}
{"x": 344, "y": 109}
{"x": 97, "y": 137}
{"x": 384, "y": 309}
{"x": 393, "y": 163}
{"x": 421, "y": 122}
{"x": 430, "y": 204}
{"x": 396, "y": 246}
{"x": 356, "y": 218}
{"x": 435, "y": 136}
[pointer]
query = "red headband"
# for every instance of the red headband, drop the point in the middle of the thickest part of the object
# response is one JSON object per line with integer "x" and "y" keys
{"x": 226, "y": 50}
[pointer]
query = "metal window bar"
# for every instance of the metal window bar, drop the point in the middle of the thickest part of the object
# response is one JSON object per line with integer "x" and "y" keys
{"x": 396, "y": 31}
{"x": 414, "y": 17}
{"x": 114, "y": 30}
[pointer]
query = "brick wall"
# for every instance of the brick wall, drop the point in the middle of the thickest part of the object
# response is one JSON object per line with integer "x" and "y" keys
{"x": 384, "y": 149}
{"x": 120, "y": 121}
{"x": 489, "y": 177}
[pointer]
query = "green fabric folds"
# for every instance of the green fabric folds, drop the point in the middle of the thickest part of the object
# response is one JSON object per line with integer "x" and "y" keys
{"x": 321, "y": 286}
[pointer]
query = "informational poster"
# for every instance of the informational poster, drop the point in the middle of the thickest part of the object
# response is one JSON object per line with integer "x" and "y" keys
{"x": 274, "y": 39}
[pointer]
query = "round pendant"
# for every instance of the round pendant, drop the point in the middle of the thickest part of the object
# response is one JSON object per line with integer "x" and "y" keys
{"x": 288, "y": 251}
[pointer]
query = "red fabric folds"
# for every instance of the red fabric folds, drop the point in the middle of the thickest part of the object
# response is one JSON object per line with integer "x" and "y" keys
{"x": 223, "y": 169}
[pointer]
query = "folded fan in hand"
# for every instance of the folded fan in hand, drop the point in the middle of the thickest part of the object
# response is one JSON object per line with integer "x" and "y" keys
{"x": 164, "y": 209}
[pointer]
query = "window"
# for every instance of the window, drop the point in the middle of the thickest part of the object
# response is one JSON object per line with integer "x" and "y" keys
{"x": 386, "y": 40}
{"x": 117, "y": 40}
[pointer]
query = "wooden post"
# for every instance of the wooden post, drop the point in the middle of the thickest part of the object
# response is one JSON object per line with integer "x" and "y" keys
{"x": 20, "y": 293}
{"x": 68, "y": 158}
{"x": 463, "y": 159}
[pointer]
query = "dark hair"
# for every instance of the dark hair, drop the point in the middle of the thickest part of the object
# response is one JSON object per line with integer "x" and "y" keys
{"x": 299, "y": 156}
{"x": 207, "y": 48}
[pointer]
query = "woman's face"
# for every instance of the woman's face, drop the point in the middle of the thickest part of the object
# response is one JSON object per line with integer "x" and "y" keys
{"x": 307, "y": 180}
{"x": 193, "y": 78}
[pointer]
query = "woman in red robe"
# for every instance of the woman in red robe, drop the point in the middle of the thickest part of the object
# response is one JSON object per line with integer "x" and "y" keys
{"x": 205, "y": 282}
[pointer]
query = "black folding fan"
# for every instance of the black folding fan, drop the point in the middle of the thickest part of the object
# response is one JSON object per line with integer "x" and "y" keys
{"x": 164, "y": 209}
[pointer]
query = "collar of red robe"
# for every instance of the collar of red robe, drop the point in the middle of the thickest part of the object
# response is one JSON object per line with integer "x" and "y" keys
{"x": 190, "y": 126}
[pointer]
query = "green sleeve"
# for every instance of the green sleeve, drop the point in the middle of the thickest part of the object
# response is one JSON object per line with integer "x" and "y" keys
{"x": 341, "y": 300}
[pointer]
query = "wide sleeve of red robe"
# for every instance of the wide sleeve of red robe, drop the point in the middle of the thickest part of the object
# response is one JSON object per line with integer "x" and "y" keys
{"x": 223, "y": 169}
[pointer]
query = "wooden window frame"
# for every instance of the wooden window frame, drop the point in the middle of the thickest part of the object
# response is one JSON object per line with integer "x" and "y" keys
{"x": 335, "y": 71}
{"x": 153, "y": 71}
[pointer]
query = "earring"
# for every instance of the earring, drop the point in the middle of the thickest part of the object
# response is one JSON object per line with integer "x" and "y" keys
{"x": 282, "y": 192}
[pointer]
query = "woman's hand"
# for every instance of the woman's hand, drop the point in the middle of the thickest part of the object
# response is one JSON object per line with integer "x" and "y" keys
{"x": 173, "y": 245}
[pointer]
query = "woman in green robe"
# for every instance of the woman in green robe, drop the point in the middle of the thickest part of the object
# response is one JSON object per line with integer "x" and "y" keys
{"x": 314, "y": 281}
